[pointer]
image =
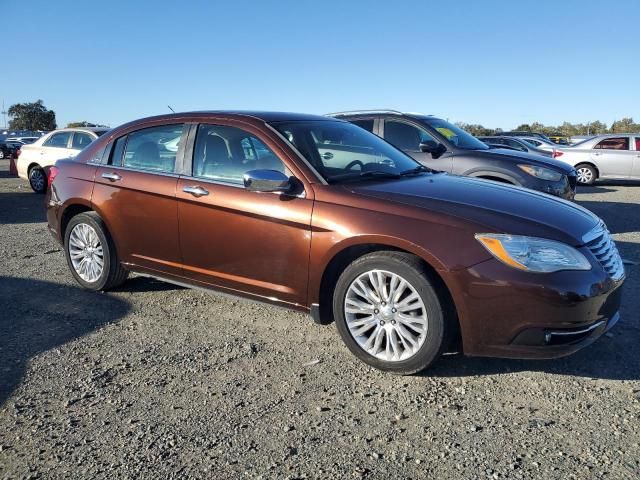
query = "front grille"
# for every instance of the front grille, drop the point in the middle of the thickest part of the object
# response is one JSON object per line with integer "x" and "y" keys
{"x": 604, "y": 249}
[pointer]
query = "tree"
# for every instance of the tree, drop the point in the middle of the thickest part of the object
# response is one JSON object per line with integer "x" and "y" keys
{"x": 625, "y": 125}
{"x": 475, "y": 129}
{"x": 31, "y": 116}
{"x": 84, "y": 124}
{"x": 525, "y": 127}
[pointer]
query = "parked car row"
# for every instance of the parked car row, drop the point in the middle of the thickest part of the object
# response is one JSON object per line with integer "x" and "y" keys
{"x": 322, "y": 215}
{"x": 46, "y": 150}
{"x": 607, "y": 157}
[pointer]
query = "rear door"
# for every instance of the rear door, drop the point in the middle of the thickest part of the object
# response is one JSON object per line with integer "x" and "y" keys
{"x": 407, "y": 137}
{"x": 54, "y": 148}
{"x": 613, "y": 157}
{"x": 135, "y": 194}
{"x": 79, "y": 141}
{"x": 635, "y": 172}
{"x": 250, "y": 242}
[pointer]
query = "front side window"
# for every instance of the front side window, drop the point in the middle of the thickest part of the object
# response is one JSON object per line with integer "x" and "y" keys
{"x": 405, "y": 136}
{"x": 58, "y": 140}
{"x": 81, "y": 140}
{"x": 225, "y": 154}
{"x": 614, "y": 143}
{"x": 341, "y": 151}
{"x": 152, "y": 148}
{"x": 366, "y": 123}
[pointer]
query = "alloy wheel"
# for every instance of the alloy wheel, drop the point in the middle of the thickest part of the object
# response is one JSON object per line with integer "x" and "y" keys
{"x": 37, "y": 179}
{"x": 385, "y": 315}
{"x": 85, "y": 251}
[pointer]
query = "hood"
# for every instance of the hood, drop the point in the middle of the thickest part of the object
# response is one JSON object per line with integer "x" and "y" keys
{"x": 525, "y": 157}
{"x": 491, "y": 206}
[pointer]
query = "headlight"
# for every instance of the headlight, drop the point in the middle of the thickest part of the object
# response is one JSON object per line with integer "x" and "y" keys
{"x": 541, "y": 172}
{"x": 533, "y": 254}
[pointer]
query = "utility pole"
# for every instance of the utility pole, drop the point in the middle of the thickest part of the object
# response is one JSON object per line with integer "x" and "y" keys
{"x": 4, "y": 114}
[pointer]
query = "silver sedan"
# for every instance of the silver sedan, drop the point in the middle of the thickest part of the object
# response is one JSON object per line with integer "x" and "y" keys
{"x": 614, "y": 156}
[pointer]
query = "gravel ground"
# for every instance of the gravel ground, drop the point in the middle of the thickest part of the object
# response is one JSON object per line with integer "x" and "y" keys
{"x": 155, "y": 381}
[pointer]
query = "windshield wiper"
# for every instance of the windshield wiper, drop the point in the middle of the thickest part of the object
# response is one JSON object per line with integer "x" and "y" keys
{"x": 361, "y": 175}
{"x": 418, "y": 169}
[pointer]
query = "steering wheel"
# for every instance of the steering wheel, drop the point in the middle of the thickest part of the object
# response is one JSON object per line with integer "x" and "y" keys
{"x": 353, "y": 163}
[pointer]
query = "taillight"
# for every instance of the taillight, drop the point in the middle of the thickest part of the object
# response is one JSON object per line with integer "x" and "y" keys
{"x": 53, "y": 171}
{"x": 557, "y": 153}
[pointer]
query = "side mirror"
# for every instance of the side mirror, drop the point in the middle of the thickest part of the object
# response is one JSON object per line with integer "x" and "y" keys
{"x": 434, "y": 148}
{"x": 266, "y": 181}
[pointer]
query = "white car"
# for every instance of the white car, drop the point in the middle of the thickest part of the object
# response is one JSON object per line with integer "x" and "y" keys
{"x": 613, "y": 156}
{"x": 540, "y": 143}
{"x": 49, "y": 148}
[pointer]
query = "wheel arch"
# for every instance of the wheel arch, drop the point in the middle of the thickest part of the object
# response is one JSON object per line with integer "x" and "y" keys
{"x": 348, "y": 253}
{"x": 70, "y": 211}
{"x": 33, "y": 165}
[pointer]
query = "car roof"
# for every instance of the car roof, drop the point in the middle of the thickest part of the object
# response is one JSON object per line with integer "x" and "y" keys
{"x": 264, "y": 116}
{"x": 379, "y": 112}
{"x": 82, "y": 129}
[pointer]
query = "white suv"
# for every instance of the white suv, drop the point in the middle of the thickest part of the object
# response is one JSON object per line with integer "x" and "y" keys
{"x": 49, "y": 148}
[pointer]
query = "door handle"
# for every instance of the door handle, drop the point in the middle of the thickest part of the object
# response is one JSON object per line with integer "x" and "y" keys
{"x": 114, "y": 177}
{"x": 196, "y": 191}
{"x": 596, "y": 154}
{"x": 327, "y": 156}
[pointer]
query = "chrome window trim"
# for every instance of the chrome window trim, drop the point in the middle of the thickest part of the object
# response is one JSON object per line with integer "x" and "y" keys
{"x": 212, "y": 181}
{"x": 139, "y": 170}
{"x": 300, "y": 156}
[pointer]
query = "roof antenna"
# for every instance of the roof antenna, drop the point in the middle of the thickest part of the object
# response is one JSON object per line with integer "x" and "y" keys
{"x": 169, "y": 107}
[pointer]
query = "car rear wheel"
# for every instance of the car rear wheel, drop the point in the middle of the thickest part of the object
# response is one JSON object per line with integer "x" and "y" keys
{"x": 389, "y": 314}
{"x": 586, "y": 174}
{"x": 38, "y": 180}
{"x": 91, "y": 254}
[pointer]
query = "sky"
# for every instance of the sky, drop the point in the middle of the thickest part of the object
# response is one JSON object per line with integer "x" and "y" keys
{"x": 497, "y": 63}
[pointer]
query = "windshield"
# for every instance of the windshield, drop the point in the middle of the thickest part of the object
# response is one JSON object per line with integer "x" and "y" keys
{"x": 342, "y": 151}
{"x": 455, "y": 135}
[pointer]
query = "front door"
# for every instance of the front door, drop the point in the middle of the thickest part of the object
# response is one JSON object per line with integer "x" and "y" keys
{"x": 613, "y": 157}
{"x": 256, "y": 243}
{"x": 135, "y": 194}
{"x": 56, "y": 147}
{"x": 408, "y": 137}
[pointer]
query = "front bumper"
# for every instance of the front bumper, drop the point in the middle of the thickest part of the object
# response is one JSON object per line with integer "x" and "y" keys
{"x": 565, "y": 188}
{"x": 509, "y": 313}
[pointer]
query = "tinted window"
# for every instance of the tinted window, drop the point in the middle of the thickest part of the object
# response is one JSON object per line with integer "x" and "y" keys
{"x": 367, "y": 124}
{"x": 117, "y": 151}
{"x": 225, "y": 154}
{"x": 615, "y": 143}
{"x": 58, "y": 140}
{"x": 454, "y": 134}
{"x": 153, "y": 148}
{"x": 341, "y": 151}
{"x": 81, "y": 140}
{"x": 405, "y": 136}
{"x": 514, "y": 144}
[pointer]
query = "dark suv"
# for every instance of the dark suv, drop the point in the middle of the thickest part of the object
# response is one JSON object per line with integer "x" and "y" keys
{"x": 442, "y": 146}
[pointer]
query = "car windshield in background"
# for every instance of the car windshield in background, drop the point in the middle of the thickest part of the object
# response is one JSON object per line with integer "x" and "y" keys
{"x": 341, "y": 151}
{"x": 458, "y": 137}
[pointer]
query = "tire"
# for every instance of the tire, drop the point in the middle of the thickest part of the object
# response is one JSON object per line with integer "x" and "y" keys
{"x": 587, "y": 174}
{"x": 385, "y": 317}
{"x": 88, "y": 230}
{"x": 38, "y": 180}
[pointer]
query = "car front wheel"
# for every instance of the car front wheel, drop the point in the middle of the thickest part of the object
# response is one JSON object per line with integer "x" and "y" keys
{"x": 91, "y": 254}
{"x": 38, "y": 180}
{"x": 388, "y": 313}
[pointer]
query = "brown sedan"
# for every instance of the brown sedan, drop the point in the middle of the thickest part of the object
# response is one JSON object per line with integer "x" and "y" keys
{"x": 318, "y": 215}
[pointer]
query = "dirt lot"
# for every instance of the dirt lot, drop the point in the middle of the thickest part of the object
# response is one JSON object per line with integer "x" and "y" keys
{"x": 155, "y": 381}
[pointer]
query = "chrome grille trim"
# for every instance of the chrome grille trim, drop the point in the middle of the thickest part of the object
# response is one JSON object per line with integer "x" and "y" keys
{"x": 604, "y": 249}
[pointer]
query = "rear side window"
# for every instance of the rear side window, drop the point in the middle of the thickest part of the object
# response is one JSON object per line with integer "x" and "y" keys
{"x": 367, "y": 124}
{"x": 58, "y": 140}
{"x": 81, "y": 140}
{"x": 637, "y": 143}
{"x": 153, "y": 149}
{"x": 225, "y": 153}
{"x": 614, "y": 143}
